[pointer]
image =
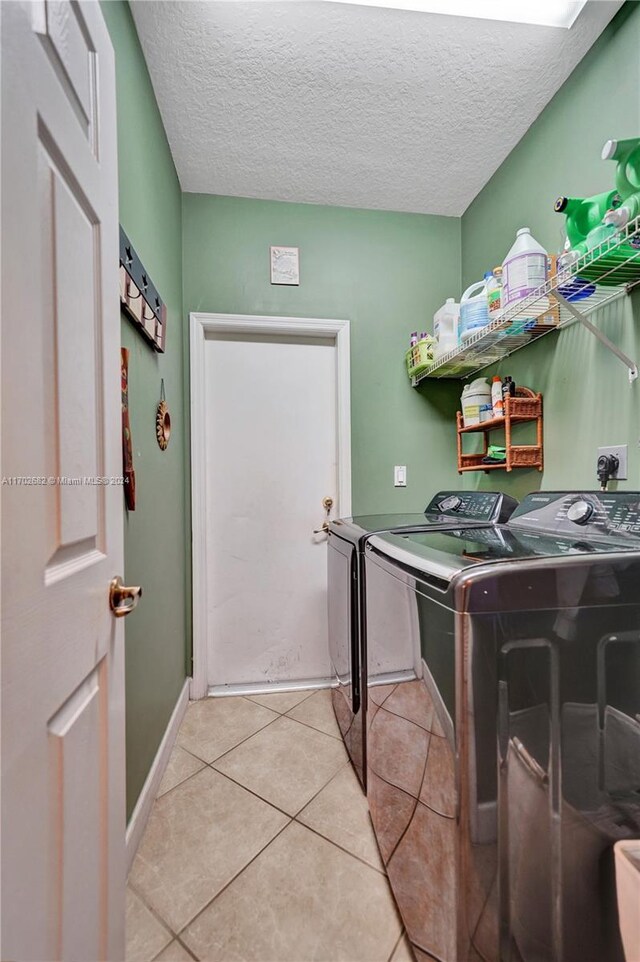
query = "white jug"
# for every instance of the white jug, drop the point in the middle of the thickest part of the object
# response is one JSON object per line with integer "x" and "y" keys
{"x": 474, "y": 309}
{"x": 476, "y": 402}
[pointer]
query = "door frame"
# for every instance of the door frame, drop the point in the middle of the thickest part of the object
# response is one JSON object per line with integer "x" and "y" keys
{"x": 200, "y": 326}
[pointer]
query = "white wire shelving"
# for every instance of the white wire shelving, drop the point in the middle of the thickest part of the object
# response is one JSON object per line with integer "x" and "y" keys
{"x": 599, "y": 277}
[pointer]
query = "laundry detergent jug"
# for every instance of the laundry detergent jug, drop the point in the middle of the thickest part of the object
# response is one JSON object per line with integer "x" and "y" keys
{"x": 445, "y": 327}
{"x": 476, "y": 402}
{"x": 474, "y": 309}
{"x": 584, "y": 224}
{"x": 524, "y": 268}
{"x": 627, "y": 155}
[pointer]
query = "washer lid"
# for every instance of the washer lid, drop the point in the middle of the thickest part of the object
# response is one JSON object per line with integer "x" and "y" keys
{"x": 444, "y": 554}
{"x": 446, "y": 509}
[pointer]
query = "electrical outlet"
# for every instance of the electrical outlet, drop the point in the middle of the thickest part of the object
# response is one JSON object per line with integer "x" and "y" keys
{"x": 400, "y": 476}
{"x": 620, "y": 451}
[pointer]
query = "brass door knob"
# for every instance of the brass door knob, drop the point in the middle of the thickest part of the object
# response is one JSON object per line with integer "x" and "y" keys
{"x": 327, "y": 504}
{"x": 123, "y": 599}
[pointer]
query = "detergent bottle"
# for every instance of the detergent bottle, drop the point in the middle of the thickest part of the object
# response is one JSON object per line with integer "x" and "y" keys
{"x": 627, "y": 155}
{"x": 445, "y": 327}
{"x": 476, "y": 402}
{"x": 494, "y": 293}
{"x": 474, "y": 309}
{"x": 584, "y": 222}
{"x": 524, "y": 268}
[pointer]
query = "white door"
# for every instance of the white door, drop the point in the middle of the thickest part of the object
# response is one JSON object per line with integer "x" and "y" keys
{"x": 271, "y": 459}
{"x": 63, "y": 814}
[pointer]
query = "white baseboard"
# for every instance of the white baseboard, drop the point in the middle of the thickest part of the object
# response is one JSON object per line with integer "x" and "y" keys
{"x": 140, "y": 814}
{"x": 260, "y": 688}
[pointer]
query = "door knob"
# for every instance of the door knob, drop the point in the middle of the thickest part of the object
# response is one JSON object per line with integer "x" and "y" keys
{"x": 327, "y": 504}
{"x": 123, "y": 599}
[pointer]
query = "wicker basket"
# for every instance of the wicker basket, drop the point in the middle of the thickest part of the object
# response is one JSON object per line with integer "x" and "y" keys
{"x": 525, "y": 456}
{"x": 525, "y": 404}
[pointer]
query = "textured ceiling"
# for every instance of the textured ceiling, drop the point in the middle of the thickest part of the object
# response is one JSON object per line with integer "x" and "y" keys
{"x": 330, "y": 103}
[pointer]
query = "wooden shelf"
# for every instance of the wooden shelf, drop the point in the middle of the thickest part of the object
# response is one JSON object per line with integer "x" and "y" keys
{"x": 497, "y": 423}
{"x": 518, "y": 410}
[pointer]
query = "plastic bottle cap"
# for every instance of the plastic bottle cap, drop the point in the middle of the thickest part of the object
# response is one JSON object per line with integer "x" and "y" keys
{"x": 496, "y": 378}
{"x": 523, "y": 230}
{"x": 487, "y": 275}
{"x": 451, "y": 300}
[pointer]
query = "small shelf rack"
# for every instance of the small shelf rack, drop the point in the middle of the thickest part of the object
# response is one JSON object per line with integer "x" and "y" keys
{"x": 602, "y": 275}
{"x": 526, "y": 406}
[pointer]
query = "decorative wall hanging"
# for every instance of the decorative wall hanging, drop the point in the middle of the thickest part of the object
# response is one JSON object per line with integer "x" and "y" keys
{"x": 139, "y": 298}
{"x": 163, "y": 421}
{"x": 127, "y": 447}
{"x": 285, "y": 265}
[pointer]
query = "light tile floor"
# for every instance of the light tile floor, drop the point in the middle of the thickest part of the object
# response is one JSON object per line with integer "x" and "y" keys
{"x": 259, "y": 847}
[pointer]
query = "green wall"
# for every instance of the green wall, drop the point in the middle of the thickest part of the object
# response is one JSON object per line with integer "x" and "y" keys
{"x": 587, "y": 398}
{"x": 155, "y": 533}
{"x": 387, "y": 273}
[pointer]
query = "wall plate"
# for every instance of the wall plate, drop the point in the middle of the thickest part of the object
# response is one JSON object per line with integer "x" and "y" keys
{"x": 621, "y": 452}
{"x": 400, "y": 476}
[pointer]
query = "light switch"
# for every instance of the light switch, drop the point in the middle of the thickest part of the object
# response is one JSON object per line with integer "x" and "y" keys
{"x": 400, "y": 475}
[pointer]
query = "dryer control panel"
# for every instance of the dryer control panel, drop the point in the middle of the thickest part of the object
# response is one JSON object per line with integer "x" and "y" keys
{"x": 482, "y": 506}
{"x": 614, "y": 514}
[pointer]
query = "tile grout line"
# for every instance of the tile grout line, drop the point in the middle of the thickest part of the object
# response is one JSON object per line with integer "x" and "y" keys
{"x": 155, "y": 914}
{"x": 287, "y": 713}
{"x": 312, "y": 727}
{"x": 187, "y": 777}
{"x": 237, "y": 745}
{"x": 395, "y": 948}
{"x": 252, "y": 792}
{"x": 230, "y": 882}
{"x": 346, "y": 851}
{"x": 180, "y": 943}
{"x": 272, "y": 804}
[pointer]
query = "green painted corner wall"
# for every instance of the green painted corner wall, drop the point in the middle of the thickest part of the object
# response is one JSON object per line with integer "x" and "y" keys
{"x": 155, "y": 533}
{"x": 587, "y": 398}
{"x": 387, "y": 273}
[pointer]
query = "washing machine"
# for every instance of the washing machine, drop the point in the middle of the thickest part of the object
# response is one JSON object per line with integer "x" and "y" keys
{"x": 500, "y": 779}
{"x": 346, "y": 593}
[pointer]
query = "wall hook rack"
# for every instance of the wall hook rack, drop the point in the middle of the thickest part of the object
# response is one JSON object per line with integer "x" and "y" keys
{"x": 139, "y": 298}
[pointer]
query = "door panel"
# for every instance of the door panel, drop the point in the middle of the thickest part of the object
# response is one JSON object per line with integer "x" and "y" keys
{"x": 67, "y": 40}
{"x": 78, "y": 777}
{"x": 76, "y": 330}
{"x": 271, "y": 458}
{"x": 63, "y": 813}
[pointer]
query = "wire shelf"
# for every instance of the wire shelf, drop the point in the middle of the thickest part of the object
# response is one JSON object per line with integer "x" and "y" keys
{"x": 597, "y": 278}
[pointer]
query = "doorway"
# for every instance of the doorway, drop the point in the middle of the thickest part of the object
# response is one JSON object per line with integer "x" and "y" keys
{"x": 270, "y": 437}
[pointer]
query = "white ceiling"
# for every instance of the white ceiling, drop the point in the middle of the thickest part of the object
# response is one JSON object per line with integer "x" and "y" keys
{"x": 332, "y": 103}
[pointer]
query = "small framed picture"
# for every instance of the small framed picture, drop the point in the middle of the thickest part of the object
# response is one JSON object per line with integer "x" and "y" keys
{"x": 285, "y": 265}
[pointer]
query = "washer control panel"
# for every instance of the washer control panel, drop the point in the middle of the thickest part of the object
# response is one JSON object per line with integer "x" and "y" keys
{"x": 600, "y": 514}
{"x": 580, "y": 511}
{"x": 481, "y": 506}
